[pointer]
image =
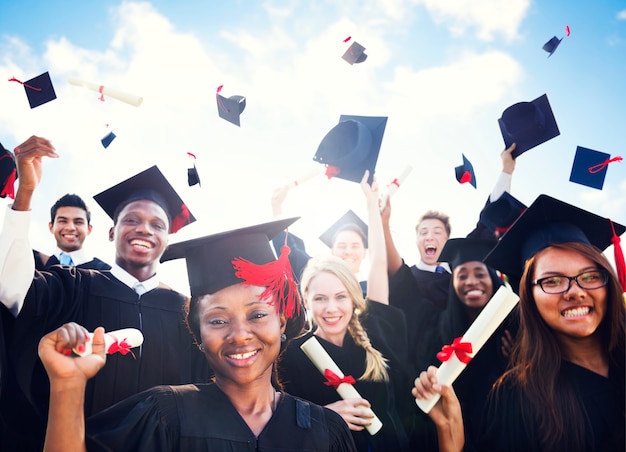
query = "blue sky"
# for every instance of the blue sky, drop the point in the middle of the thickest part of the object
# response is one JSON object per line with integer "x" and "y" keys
{"x": 442, "y": 71}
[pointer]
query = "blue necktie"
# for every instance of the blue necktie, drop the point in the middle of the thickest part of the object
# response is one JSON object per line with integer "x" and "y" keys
{"x": 140, "y": 289}
{"x": 65, "y": 259}
{"x": 440, "y": 269}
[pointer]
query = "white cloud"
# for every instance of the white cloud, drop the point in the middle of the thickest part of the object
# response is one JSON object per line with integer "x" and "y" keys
{"x": 621, "y": 15}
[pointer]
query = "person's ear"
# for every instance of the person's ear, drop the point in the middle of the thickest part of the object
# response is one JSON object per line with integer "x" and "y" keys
{"x": 283, "y": 323}
{"x": 112, "y": 234}
{"x": 50, "y": 224}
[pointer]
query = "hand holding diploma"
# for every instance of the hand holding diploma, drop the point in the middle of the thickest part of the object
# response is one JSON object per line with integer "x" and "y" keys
{"x": 394, "y": 185}
{"x": 106, "y": 91}
{"x": 343, "y": 384}
{"x": 458, "y": 354}
{"x": 119, "y": 341}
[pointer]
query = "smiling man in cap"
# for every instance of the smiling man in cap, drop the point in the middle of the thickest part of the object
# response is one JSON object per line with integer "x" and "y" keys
{"x": 145, "y": 209}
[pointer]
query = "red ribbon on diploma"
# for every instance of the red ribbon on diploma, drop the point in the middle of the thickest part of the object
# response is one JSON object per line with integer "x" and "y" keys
{"x": 121, "y": 347}
{"x": 334, "y": 380}
{"x": 461, "y": 349}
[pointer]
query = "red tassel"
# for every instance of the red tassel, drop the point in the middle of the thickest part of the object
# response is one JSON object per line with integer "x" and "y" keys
{"x": 9, "y": 186}
{"x": 275, "y": 276}
{"x": 182, "y": 219}
{"x": 467, "y": 177}
{"x": 331, "y": 171}
{"x": 620, "y": 265}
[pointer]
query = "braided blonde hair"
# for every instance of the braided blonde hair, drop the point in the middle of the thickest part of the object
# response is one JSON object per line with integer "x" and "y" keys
{"x": 376, "y": 364}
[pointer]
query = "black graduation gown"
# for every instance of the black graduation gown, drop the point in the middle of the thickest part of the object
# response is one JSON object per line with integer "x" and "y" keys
{"x": 43, "y": 262}
{"x": 201, "y": 418}
{"x": 504, "y": 428}
{"x": 392, "y": 402}
{"x": 91, "y": 298}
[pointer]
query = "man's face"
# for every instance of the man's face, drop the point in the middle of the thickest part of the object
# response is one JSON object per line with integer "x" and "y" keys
{"x": 431, "y": 237}
{"x": 70, "y": 228}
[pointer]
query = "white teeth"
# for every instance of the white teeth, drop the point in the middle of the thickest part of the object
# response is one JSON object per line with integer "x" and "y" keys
{"x": 576, "y": 312}
{"x": 242, "y": 355}
{"x": 331, "y": 319}
{"x": 474, "y": 293}
{"x": 141, "y": 243}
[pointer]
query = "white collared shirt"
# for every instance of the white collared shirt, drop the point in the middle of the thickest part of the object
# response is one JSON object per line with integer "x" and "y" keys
{"x": 78, "y": 256}
{"x": 131, "y": 281}
{"x": 432, "y": 268}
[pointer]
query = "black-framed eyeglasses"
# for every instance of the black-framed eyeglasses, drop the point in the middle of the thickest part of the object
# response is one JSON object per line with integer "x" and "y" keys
{"x": 560, "y": 284}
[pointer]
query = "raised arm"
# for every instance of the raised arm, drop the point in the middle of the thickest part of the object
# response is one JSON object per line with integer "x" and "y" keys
{"x": 504, "y": 179}
{"x": 68, "y": 379}
{"x": 16, "y": 255}
{"x": 394, "y": 260}
{"x": 378, "y": 280}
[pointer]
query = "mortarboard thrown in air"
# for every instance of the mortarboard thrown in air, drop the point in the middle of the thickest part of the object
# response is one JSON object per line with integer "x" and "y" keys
{"x": 349, "y": 221}
{"x": 352, "y": 146}
{"x": 551, "y": 45}
{"x": 465, "y": 172}
{"x": 151, "y": 185}
{"x": 460, "y": 250}
{"x": 230, "y": 108}
{"x": 8, "y": 173}
{"x": 243, "y": 255}
{"x": 355, "y": 53}
{"x": 108, "y": 139}
{"x": 590, "y": 167}
{"x": 192, "y": 176}
{"x": 39, "y": 90}
{"x": 528, "y": 124}
{"x": 549, "y": 221}
{"x": 499, "y": 215}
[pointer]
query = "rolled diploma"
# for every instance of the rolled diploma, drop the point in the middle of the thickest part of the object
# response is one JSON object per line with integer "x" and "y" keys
{"x": 133, "y": 337}
{"x": 394, "y": 186}
{"x": 477, "y": 334}
{"x": 115, "y": 94}
{"x": 320, "y": 358}
{"x": 308, "y": 176}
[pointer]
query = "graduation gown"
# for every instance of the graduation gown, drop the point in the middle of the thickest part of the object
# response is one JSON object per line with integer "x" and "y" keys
{"x": 504, "y": 428}
{"x": 91, "y": 298}
{"x": 201, "y": 418}
{"x": 43, "y": 262}
{"x": 392, "y": 402}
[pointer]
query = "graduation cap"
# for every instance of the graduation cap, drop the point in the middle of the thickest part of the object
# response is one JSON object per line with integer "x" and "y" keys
{"x": 458, "y": 251}
{"x": 352, "y": 146}
{"x": 349, "y": 221}
{"x": 499, "y": 215}
{"x": 548, "y": 221}
{"x": 108, "y": 139}
{"x": 230, "y": 108}
{"x": 8, "y": 173}
{"x": 551, "y": 45}
{"x": 589, "y": 167}
{"x": 151, "y": 185}
{"x": 192, "y": 176}
{"x": 528, "y": 124}
{"x": 39, "y": 90}
{"x": 465, "y": 172}
{"x": 355, "y": 53}
{"x": 243, "y": 255}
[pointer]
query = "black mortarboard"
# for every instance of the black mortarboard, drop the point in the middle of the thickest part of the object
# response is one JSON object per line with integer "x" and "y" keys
{"x": 352, "y": 146}
{"x": 465, "y": 173}
{"x": 458, "y": 251}
{"x": 8, "y": 173}
{"x": 545, "y": 222}
{"x": 551, "y": 45}
{"x": 149, "y": 184}
{"x": 192, "y": 176}
{"x": 589, "y": 167}
{"x": 39, "y": 90}
{"x": 217, "y": 261}
{"x": 108, "y": 139}
{"x": 499, "y": 215}
{"x": 355, "y": 53}
{"x": 230, "y": 108}
{"x": 349, "y": 221}
{"x": 528, "y": 124}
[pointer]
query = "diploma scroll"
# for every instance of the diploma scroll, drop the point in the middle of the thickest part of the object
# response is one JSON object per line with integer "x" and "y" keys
{"x": 320, "y": 358}
{"x": 394, "y": 185}
{"x": 106, "y": 91}
{"x": 308, "y": 176}
{"x": 492, "y": 315}
{"x": 119, "y": 341}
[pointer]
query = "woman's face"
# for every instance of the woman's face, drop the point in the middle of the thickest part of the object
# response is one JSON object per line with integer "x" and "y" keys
{"x": 349, "y": 247}
{"x": 330, "y": 305}
{"x": 578, "y": 312}
{"x": 472, "y": 284}
{"x": 240, "y": 333}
